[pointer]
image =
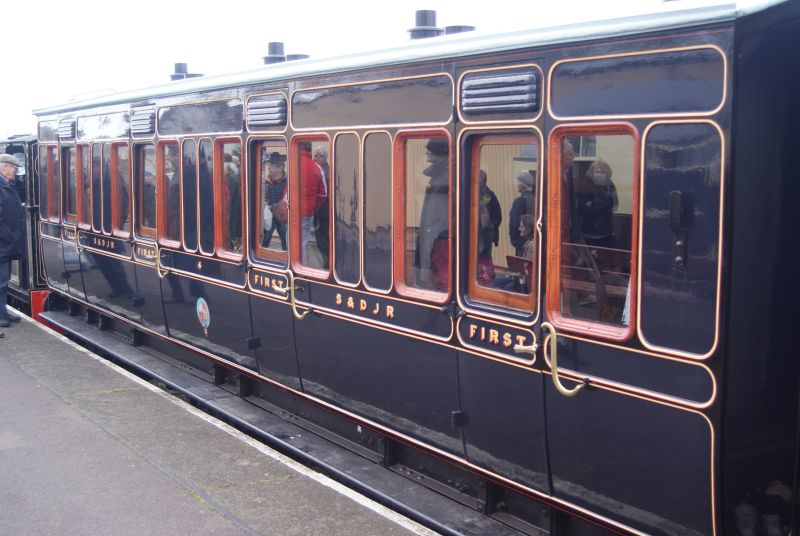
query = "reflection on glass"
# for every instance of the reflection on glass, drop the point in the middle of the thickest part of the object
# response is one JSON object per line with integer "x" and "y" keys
{"x": 171, "y": 185}
{"x": 274, "y": 200}
{"x": 147, "y": 178}
{"x": 313, "y": 198}
{"x": 346, "y": 209}
{"x": 189, "y": 180}
{"x": 44, "y": 206}
{"x": 231, "y": 189}
{"x": 206, "y": 195}
{"x": 427, "y": 259}
{"x": 504, "y": 212}
{"x": 378, "y": 211}
{"x": 72, "y": 183}
{"x": 107, "y": 188}
{"x": 596, "y": 230}
{"x": 86, "y": 185}
{"x": 56, "y": 208}
{"x": 97, "y": 192}
{"x": 122, "y": 175}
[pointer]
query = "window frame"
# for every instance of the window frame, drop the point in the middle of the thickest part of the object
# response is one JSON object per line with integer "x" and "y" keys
{"x": 116, "y": 227}
{"x": 84, "y": 220}
{"x": 201, "y": 141}
{"x": 105, "y": 169}
{"x": 478, "y": 294}
{"x": 363, "y": 170}
{"x": 138, "y": 167}
{"x": 96, "y": 196}
{"x": 221, "y": 220}
{"x": 295, "y": 195}
{"x": 399, "y": 214}
{"x": 42, "y": 156}
{"x": 161, "y": 200}
{"x": 332, "y": 160}
{"x": 181, "y": 152}
{"x": 263, "y": 253}
{"x": 51, "y": 181}
{"x": 618, "y": 333}
{"x": 70, "y": 218}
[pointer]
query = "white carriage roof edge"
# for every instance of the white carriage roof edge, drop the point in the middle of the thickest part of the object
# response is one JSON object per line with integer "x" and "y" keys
{"x": 452, "y": 46}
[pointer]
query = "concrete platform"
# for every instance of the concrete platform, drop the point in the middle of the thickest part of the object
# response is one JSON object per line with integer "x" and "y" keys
{"x": 86, "y": 448}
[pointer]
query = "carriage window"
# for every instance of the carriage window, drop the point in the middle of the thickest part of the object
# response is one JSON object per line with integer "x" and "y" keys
{"x": 425, "y": 230}
{"x": 504, "y": 240}
{"x": 205, "y": 193}
{"x": 107, "y": 189}
{"x": 595, "y": 202}
{"x": 145, "y": 173}
{"x": 314, "y": 174}
{"x": 169, "y": 183}
{"x": 121, "y": 180}
{"x": 347, "y": 209}
{"x": 97, "y": 199}
{"x": 71, "y": 186}
{"x": 271, "y": 221}
{"x": 189, "y": 189}
{"x": 54, "y": 176}
{"x": 378, "y": 211}
{"x": 44, "y": 190}
{"x": 229, "y": 173}
{"x": 85, "y": 186}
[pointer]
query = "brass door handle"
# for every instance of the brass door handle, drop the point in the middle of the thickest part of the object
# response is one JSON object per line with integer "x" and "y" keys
{"x": 292, "y": 300}
{"x": 551, "y": 330}
{"x": 158, "y": 264}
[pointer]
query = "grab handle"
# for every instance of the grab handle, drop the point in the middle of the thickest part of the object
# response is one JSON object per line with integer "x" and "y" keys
{"x": 551, "y": 330}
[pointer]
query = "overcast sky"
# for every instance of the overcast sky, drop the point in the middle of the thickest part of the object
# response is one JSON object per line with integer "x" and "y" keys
{"x": 57, "y": 51}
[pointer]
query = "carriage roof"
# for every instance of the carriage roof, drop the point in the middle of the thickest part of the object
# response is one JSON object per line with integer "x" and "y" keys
{"x": 670, "y": 16}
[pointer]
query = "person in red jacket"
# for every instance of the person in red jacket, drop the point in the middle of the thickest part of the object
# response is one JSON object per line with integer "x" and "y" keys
{"x": 312, "y": 192}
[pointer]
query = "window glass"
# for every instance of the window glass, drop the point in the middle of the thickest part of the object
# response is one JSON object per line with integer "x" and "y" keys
{"x": 71, "y": 188}
{"x": 85, "y": 184}
{"x": 502, "y": 223}
{"x": 189, "y": 181}
{"x": 145, "y": 166}
{"x": 44, "y": 189}
{"x": 231, "y": 196}
{"x": 170, "y": 184}
{"x": 122, "y": 219}
{"x": 681, "y": 196}
{"x": 55, "y": 177}
{"x": 427, "y": 213}
{"x": 206, "y": 195}
{"x": 272, "y": 214}
{"x": 97, "y": 192}
{"x": 596, "y": 217}
{"x": 107, "y": 190}
{"x": 314, "y": 210}
{"x": 378, "y": 211}
{"x": 347, "y": 206}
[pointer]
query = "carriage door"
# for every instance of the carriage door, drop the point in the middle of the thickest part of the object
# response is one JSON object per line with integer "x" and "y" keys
{"x": 622, "y": 439}
{"x": 500, "y": 282}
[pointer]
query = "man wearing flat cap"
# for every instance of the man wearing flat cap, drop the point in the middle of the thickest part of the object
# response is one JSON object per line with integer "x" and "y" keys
{"x": 275, "y": 200}
{"x": 12, "y": 238}
{"x": 524, "y": 204}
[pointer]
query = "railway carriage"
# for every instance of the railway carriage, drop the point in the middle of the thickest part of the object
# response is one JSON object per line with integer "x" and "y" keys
{"x": 629, "y": 370}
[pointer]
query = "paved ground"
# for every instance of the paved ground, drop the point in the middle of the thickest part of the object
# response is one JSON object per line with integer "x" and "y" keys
{"x": 88, "y": 449}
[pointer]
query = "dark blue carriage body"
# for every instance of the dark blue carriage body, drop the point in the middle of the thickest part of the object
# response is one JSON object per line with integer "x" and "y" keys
{"x": 688, "y": 419}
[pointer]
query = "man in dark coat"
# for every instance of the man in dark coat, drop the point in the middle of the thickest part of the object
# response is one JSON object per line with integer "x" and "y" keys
{"x": 12, "y": 232}
{"x": 432, "y": 258}
{"x": 524, "y": 204}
